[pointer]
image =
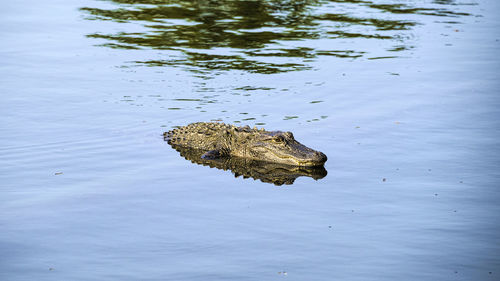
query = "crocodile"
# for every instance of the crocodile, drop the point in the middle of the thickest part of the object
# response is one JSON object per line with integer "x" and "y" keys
{"x": 267, "y": 172}
{"x": 223, "y": 140}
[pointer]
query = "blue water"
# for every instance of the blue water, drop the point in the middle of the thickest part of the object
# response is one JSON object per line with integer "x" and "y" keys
{"x": 90, "y": 190}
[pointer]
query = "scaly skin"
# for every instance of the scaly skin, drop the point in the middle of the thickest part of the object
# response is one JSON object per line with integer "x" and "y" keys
{"x": 222, "y": 140}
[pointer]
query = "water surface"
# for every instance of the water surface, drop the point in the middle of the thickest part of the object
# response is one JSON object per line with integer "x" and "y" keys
{"x": 402, "y": 96}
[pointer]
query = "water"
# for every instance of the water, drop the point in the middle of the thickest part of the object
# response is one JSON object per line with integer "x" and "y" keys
{"x": 401, "y": 96}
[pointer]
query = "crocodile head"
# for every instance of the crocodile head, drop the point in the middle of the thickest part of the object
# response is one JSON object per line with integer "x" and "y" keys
{"x": 281, "y": 147}
{"x": 268, "y": 172}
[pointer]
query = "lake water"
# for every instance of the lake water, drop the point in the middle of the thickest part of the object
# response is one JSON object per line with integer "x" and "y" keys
{"x": 402, "y": 96}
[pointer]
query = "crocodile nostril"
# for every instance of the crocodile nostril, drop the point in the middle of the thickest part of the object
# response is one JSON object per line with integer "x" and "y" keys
{"x": 320, "y": 156}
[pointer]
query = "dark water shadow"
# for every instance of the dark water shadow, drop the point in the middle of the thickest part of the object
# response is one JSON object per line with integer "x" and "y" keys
{"x": 262, "y": 36}
{"x": 277, "y": 174}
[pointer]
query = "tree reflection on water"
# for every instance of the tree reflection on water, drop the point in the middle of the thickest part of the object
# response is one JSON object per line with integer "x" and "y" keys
{"x": 262, "y": 36}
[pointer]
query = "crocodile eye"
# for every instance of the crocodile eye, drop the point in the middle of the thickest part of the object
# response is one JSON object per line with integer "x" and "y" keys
{"x": 279, "y": 139}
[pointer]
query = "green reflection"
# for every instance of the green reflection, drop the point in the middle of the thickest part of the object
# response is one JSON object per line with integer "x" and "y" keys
{"x": 199, "y": 63}
{"x": 260, "y": 36}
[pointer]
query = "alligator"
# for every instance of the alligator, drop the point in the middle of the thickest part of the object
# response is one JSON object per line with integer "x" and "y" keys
{"x": 222, "y": 140}
{"x": 267, "y": 172}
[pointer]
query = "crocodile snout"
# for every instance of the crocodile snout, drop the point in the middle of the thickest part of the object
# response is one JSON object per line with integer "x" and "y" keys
{"x": 320, "y": 157}
{"x": 315, "y": 158}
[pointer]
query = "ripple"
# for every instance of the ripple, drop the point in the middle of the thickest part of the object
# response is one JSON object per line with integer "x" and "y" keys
{"x": 263, "y": 36}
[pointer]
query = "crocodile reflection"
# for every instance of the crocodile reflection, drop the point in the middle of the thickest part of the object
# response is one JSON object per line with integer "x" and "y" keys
{"x": 263, "y": 36}
{"x": 277, "y": 174}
